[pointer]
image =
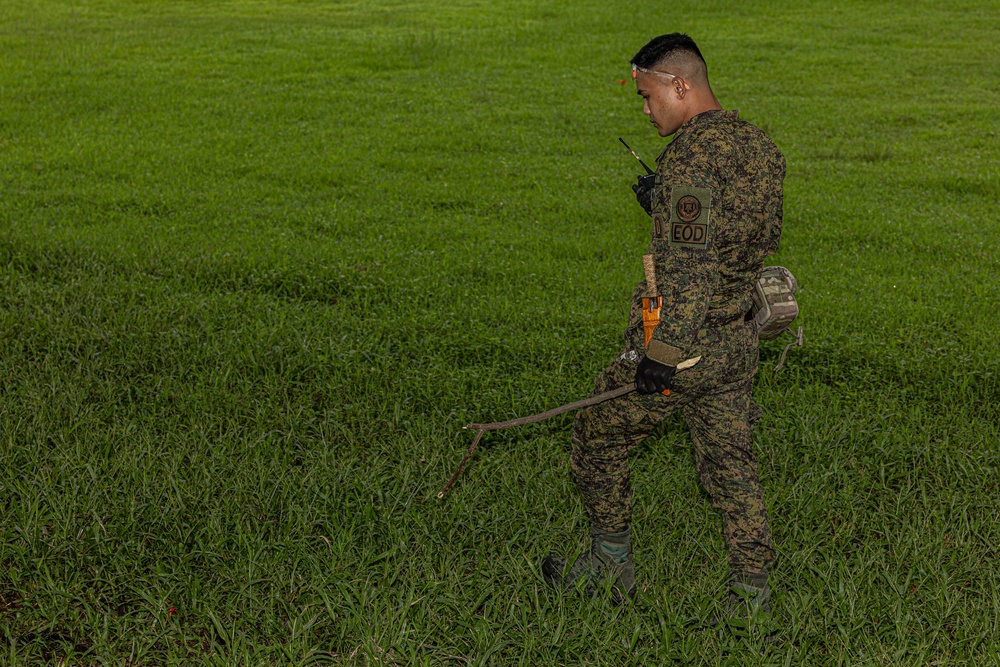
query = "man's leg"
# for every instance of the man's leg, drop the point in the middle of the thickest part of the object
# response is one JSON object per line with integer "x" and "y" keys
{"x": 599, "y": 464}
{"x": 721, "y": 424}
{"x": 602, "y": 437}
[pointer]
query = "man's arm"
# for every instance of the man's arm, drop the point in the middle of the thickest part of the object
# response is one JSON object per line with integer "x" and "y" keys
{"x": 687, "y": 264}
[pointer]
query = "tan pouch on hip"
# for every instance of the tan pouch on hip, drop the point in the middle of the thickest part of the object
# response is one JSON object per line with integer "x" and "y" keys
{"x": 774, "y": 306}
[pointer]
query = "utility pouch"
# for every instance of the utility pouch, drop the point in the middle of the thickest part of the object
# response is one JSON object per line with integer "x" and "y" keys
{"x": 774, "y": 306}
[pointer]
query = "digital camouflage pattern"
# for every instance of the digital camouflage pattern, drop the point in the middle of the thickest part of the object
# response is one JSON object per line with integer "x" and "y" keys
{"x": 716, "y": 216}
{"x": 774, "y": 302}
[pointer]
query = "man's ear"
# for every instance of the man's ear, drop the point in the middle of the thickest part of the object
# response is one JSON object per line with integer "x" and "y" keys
{"x": 680, "y": 87}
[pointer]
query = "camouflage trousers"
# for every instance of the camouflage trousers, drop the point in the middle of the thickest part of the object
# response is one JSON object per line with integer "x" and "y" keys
{"x": 714, "y": 398}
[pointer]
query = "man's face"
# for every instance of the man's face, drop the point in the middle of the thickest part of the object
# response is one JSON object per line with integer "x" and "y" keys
{"x": 661, "y": 102}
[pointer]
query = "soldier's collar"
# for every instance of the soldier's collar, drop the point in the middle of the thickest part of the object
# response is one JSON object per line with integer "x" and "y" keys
{"x": 708, "y": 116}
{"x": 700, "y": 119}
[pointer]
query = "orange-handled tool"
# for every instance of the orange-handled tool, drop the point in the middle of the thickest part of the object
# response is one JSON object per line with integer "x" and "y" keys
{"x": 650, "y": 318}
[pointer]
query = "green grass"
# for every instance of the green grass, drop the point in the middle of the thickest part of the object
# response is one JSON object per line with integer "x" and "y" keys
{"x": 262, "y": 261}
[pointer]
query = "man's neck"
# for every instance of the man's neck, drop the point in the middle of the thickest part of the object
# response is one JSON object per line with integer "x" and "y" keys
{"x": 703, "y": 103}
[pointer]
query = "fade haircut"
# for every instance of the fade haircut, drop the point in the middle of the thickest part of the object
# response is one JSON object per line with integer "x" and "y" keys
{"x": 675, "y": 52}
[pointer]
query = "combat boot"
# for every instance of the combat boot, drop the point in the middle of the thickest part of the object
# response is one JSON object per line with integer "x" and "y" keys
{"x": 748, "y": 606}
{"x": 608, "y": 562}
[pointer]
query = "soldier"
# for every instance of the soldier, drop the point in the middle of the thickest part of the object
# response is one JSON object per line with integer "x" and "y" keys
{"x": 716, "y": 207}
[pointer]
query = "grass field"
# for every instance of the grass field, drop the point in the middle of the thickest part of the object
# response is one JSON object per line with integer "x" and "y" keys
{"x": 261, "y": 261}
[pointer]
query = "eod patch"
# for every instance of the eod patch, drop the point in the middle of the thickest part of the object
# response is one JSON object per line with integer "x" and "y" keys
{"x": 690, "y": 212}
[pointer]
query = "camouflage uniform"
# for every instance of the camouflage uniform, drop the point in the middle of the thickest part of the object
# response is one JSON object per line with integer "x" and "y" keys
{"x": 716, "y": 215}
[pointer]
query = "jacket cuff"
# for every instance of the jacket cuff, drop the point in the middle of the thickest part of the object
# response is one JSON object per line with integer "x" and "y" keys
{"x": 665, "y": 354}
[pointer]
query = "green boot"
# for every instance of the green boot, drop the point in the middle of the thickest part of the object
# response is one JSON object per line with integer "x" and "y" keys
{"x": 609, "y": 560}
{"x": 748, "y": 606}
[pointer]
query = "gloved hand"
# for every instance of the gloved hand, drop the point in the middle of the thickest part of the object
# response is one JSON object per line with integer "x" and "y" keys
{"x": 644, "y": 192}
{"x": 652, "y": 377}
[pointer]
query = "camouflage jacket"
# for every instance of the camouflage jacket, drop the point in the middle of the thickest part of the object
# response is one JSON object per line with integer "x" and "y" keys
{"x": 716, "y": 216}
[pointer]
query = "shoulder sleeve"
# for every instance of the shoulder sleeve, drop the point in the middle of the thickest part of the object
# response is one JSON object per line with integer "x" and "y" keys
{"x": 685, "y": 217}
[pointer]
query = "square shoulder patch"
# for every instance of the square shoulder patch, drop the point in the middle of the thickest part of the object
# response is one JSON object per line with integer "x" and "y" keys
{"x": 690, "y": 216}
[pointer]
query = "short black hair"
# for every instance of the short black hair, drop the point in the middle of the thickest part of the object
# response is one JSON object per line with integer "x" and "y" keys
{"x": 660, "y": 48}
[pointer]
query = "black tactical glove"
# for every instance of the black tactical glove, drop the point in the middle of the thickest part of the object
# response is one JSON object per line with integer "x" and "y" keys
{"x": 644, "y": 192}
{"x": 652, "y": 377}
